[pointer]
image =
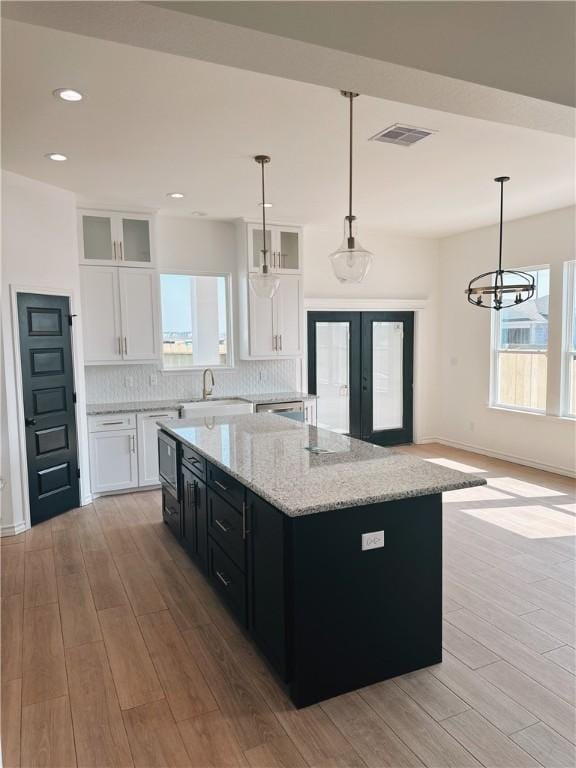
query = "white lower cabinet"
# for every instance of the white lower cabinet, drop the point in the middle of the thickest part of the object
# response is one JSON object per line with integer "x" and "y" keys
{"x": 113, "y": 460}
{"x": 124, "y": 450}
{"x": 148, "y": 445}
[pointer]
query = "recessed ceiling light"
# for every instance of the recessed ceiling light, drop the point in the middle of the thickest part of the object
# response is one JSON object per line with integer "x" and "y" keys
{"x": 175, "y": 195}
{"x": 197, "y": 213}
{"x": 56, "y": 156}
{"x": 265, "y": 205}
{"x": 68, "y": 94}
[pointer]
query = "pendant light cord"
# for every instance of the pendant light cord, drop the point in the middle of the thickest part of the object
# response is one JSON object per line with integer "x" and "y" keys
{"x": 264, "y": 251}
{"x": 351, "y": 97}
{"x": 501, "y": 224}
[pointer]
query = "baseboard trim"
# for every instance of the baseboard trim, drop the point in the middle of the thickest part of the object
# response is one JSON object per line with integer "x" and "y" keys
{"x": 565, "y": 471}
{"x": 12, "y": 530}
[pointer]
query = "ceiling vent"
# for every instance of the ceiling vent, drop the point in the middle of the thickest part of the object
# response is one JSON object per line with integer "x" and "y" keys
{"x": 403, "y": 135}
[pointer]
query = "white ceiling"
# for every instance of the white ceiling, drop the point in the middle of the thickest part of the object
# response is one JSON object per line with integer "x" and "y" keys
{"x": 152, "y": 123}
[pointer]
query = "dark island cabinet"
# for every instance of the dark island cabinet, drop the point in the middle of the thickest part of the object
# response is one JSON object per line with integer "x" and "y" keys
{"x": 329, "y": 613}
{"x": 267, "y": 584}
{"x": 194, "y": 512}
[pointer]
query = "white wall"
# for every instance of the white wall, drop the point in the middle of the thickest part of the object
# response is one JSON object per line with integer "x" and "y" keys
{"x": 404, "y": 268}
{"x": 39, "y": 253}
{"x": 545, "y": 441}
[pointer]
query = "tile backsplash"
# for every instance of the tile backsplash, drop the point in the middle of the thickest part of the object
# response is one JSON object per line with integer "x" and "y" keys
{"x": 126, "y": 383}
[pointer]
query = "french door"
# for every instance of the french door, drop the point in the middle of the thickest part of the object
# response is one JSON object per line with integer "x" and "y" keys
{"x": 360, "y": 364}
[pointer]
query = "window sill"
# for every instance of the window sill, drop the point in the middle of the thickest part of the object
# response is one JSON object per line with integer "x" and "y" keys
{"x": 538, "y": 414}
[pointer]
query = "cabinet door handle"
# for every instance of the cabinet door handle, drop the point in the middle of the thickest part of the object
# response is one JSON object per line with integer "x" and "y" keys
{"x": 119, "y": 345}
{"x": 115, "y": 257}
{"x": 220, "y": 485}
{"x": 245, "y": 529}
{"x": 223, "y": 579}
{"x": 125, "y": 345}
{"x": 222, "y": 525}
{"x": 275, "y": 342}
{"x": 133, "y": 443}
{"x": 280, "y": 342}
{"x": 121, "y": 251}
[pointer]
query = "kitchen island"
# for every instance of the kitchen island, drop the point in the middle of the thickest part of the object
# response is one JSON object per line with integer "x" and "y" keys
{"x": 327, "y": 549}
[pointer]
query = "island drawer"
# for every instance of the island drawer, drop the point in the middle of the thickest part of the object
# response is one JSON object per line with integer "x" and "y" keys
{"x": 226, "y": 527}
{"x": 194, "y": 461}
{"x": 229, "y": 580}
{"x": 229, "y": 488}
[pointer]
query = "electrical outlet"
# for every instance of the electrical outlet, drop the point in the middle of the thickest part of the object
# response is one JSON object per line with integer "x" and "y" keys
{"x": 373, "y": 540}
{"x": 153, "y": 380}
{"x": 129, "y": 381}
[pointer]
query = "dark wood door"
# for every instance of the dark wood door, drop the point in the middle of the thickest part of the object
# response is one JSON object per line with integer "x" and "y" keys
{"x": 49, "y": 404}
{"x": 360, "y": 364}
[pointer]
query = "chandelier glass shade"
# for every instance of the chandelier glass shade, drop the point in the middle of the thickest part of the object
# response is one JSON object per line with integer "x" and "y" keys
{"x": 501, "y": 288}
{"x": 351, "y": 261}
{"x": 264, "y": 283}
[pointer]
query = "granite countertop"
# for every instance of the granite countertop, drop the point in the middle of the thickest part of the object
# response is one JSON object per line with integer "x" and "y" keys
{"x": 301, "y": 469}
{"x": 144, "y": 406}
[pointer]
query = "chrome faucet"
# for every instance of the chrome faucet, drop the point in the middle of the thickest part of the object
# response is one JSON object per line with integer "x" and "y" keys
{"x": 207, "y": 391}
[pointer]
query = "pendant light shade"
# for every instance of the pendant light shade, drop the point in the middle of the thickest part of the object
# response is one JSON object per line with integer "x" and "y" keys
{"x": 350, "y": 262}
{"x": 264, "y": 283}
{"x": 502, "y": 288}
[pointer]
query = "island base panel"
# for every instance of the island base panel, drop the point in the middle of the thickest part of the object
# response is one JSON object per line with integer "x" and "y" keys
{"x": 360, "y": 617}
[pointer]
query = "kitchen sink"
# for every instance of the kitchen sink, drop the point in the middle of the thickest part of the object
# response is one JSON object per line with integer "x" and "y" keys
{"x": 224, "y": 407}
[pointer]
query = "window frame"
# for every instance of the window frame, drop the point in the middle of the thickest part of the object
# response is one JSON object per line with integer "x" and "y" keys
{"x": 230, "y": 362}
{"x": 495, "y": 350}
{"x": 568, "y": 346}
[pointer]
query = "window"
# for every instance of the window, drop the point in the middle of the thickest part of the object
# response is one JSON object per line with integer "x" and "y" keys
{"x": 569, "y": 363}
{"x": 195, "y": 321}
{"x": 520, "y": 346}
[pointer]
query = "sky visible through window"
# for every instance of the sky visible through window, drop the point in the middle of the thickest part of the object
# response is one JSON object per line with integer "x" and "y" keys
{"x": 176, "y": 309}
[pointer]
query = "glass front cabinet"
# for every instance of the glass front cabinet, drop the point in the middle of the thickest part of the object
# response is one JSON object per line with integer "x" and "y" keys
{"x": 284, "y": 245}
{"x": 121, "y": 238}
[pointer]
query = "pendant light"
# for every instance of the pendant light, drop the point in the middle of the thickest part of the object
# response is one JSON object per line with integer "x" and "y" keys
{"x": 505, "y": 287}
{"x": 350, "y": 262}
{"x": 264, "y": 283}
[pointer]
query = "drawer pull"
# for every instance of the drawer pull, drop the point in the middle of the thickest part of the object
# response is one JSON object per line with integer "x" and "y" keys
{"x": 222, "y": 526}
{"x": 110, "y": 423}
{"x": 223, "y": 579}
{"x": 220, "y": 485}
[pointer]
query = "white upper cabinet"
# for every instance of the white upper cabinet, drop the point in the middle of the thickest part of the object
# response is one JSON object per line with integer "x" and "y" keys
{"x": 274, "y": 326}
{"x": 119, "y": 238}
{"x": 119, "y": 314}
{"x": 284, "y": 245}
{"x": 100, "y": 314}
{"x": 288, "y": 316}
{"x": 270, "y": 328}
{"x": 139, "y": 312}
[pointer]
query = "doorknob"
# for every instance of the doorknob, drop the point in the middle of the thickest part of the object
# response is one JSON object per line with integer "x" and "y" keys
{"x": 29, "y": 422}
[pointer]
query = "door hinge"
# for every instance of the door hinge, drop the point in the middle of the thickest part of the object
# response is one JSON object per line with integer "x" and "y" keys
{"x": 78, "y": 472}
{"x": 73, "y": 397}
{"x": 70, "y": 319}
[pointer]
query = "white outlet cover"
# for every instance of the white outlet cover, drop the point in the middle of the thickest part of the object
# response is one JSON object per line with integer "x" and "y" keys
{"x": 373, "y": 540}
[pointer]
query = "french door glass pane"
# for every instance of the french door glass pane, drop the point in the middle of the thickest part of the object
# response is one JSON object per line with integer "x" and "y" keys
{"x": 333, "y": 376}
{"x": 387, "y": 398}
{"x": 97, "y": 234}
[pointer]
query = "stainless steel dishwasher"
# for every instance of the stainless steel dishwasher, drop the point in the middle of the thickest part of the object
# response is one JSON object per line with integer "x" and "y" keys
{"x": 294, "y": 410}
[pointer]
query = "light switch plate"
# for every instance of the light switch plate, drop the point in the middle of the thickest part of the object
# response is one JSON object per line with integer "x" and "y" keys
{"x": 373, "y": 540}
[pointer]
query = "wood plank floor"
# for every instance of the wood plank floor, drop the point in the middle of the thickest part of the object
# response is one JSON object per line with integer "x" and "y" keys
{"x": 115, "y": 651}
